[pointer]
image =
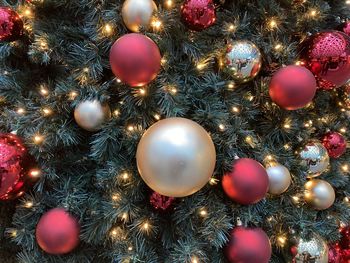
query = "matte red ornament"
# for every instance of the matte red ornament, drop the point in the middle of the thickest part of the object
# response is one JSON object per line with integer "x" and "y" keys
{"x": 248, "y": 245}
{"x": 11, "y": 25}
{"x": 327, "y": 55}
{"x": 345, "y": 27}
{"x": 161, "y": 202}
{"x": 292, "y": 87}
{"x": 16, "y": 167}
{"x": 198, "y": 14}
{"x": 247, "y": 183}
{"x": 135, "y": 59}
{"x": 57, "y": 232}
{"x": 335, "y": 144}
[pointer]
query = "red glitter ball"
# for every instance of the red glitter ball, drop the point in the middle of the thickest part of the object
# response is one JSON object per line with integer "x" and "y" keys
{"x": 198, "y": 14}
{"x": 340, "y": 251}
{"x": 327, "y": 55}
{"x": 11, "y": 25}
{"x": 345, "y": 27}
{"x": 15, "y": 167}
{"x": 161, "y": 202}
{"x": 334, "y": 143}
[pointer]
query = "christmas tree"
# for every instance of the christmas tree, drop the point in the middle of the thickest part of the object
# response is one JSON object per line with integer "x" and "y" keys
{"x": 175, "y": 131}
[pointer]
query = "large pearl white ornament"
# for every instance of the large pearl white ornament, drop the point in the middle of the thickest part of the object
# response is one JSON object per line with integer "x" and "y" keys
{"x": 279, "y": 178}
{"x": 319, "y": 194}
{"x": 176, "y": 157}
{"x": 90, "y": 115}
{"x": 138, "y": 13}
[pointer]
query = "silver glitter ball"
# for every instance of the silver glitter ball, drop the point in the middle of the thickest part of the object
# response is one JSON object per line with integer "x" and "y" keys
{"x": 242, "y": 60}
{"x": 312, "y": 250}
{"x": 315, "y": 157}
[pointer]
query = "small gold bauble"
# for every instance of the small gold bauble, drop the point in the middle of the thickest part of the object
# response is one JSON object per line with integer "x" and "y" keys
{"x": 242, "y": 60}
{"x": 279, "y": 178}
{"x": 176, "y": 157}
{"x": 90, "y": 115}
{"x": 319, "y": 194}
{"x": 138, "y": 13}
{"x": 315, "y": 157}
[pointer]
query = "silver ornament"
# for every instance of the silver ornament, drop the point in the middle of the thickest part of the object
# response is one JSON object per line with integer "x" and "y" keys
{"x": 319, "y": 194}
{"x": 176, "y": 157}
{"x": 311, "y": 250}
{"x": 315, "y": 157}
{"x": 242, "y": 60}
{"x": 138, "y": 13}
{"x": 90, "y": 115}
{"x": 279, "y": 178}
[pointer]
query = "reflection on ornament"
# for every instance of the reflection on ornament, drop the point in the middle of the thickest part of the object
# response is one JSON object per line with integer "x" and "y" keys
{"x": 309, "y": 250}
{"x": 242, "y": 60}
{"x": 327, "y": 55}
{"x": 315, "y": 157}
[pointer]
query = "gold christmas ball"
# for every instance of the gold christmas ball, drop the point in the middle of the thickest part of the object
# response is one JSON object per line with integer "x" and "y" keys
{"x": 279, "y": 178}
{"x": 176, "y": 157}
{"x": 319, "y": 194}
{"x": 138, "y": 13}
{"x": 313, "y": 249}
{"x": 242, "y": 60}
{"x": 315, "y": 157}
{"x": 90, "y": 115}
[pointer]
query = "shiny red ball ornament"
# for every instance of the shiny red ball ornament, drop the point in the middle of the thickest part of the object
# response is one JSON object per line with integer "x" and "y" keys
{"x": 57, "y": 232}
{"x": 327, "y": 55}
{"x": 198, "y": 14}
{"x": 135, "y": 59}
{"x": 247, "y": 183}
{"x": 335, "y": 144}
{"x": 292, "y": 87}
{"x": 11, "y": 25}
{"x": 248, "y": 245}
{"x": 161, "y": 202}
{"x": 340, "y": 251}
{"x": 345, "y": 27}
{"x": 17, "y": 167}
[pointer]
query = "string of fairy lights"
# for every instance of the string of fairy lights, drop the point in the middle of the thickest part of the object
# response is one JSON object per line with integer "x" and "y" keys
{"x": 109, "y": 30}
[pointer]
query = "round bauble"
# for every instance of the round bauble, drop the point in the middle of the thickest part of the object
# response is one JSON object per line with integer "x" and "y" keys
{"x": 312, "y": 249}
{"x": 247, "y": 183}
{"x": 91, "y": 114}
{"x": 135, "y": 59}
{"x": 345, "y": 27}
{"x": 335, "y": 144}
{"x": 176, "y": 157}
{"x": 292, "y": 87}
{"x": 198, "y": 14}
{"x": 327, "y": 55}
{"x": 319, "y": 194}
{"x": 17, "y": 167}
{"x": 11, "y": 25}
{"x": 248, "y": 245}
{"x": 279, "y": 178}
{"x": 161, "y": 202}
{"x": 242, "y": 60}
{"x": 138, "y": 13}
{"x": 57, "y": 232}
{"x": 315, "y": 158}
